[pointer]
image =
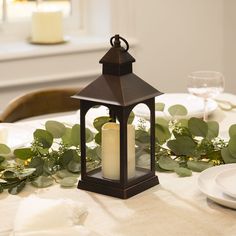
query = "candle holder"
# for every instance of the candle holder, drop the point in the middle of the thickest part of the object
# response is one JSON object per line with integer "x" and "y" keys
{"x": 120, "y": 90}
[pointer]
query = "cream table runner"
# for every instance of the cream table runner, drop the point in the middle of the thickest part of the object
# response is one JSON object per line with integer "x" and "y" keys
{"x": 175, "y": 207}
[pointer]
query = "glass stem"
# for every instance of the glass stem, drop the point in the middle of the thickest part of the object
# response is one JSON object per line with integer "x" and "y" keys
{"x": 205, "y": 110}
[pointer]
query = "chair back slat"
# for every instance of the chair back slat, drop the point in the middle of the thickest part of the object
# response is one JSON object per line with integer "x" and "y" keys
{"x": 41, "y": 102}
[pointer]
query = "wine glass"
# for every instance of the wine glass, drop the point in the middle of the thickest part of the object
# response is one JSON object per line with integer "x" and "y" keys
{"x": 205, "y": 84}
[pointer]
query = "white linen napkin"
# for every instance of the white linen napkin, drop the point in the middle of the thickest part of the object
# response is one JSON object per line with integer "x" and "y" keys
{"x": 37, "y": 216}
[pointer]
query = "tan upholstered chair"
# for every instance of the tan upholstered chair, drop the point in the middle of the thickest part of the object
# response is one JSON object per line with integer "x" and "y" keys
{"x": 41, "y": 102}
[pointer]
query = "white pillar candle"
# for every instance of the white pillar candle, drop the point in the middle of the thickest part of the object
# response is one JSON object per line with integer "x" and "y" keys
{"x": 47, "y": 26}
{"x": 111, "y": 151}
{"x": 3, "y": 135}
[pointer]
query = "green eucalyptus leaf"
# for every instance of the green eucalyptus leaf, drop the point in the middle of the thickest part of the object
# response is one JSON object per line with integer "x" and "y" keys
{"x": 68, "y": 182}
{"x": 159, "y": 106}
{"x": 91, "y": 153}
{"x": 75, "y": 135}
{"x": 213, "y": 129}
{"x": 227, "y": 157}
{"x": 9, "y": 174}
{"x": 159, "y": 169}
{"x": 65, "y": 173}
{"x": 232, "y": 130}
{"x": 37, "y": 163}
{"x": 183, "y": 123}
{"x": 98, "y": 150}
{"x": 162, "y": 133}
{"x": 25, "y": 172}
{"x": 198, "y": 127}
{"x": 89, "y": 135}
{"x": 74, "y": 163}
{"x": 42, "y": 182}
{"x": 56, "y": 128}
{"x": 49, "y": 165}
{"x": 18, "y": 188}
{"x": 184, "y": 132}
{"x": 215, "y": 155}
{"x": 43, "y": 137}
{"x": 198, "y": 166}
{"x": 183, "y": 172}
{"x": 74, "y": 166}
{"x": 23, "y": 153}
{"x": 142, "y": 149}
{"x": 182, "y": 145}
{"x": 65, "y": 158}
{"x": 66, "y": 138}
{"x": 98, "y": 138}
{"x": 161, "y": 121}
{"x": 232, "y": 146}
{"x": 131, "y": 117}
{"x": 142, "y": 136}
{"x": 100, "y": 121}
{"x": 94, "y": 153}
{"x": 143, "y": 161}
{"x": 2, "y": 159}
{"x": 177, "y": 110}
{"x": 4, "y": 165}
{"x": 43, "y": 151}
{"x": 4, "y": 149}
{"x": 167, "y": 163}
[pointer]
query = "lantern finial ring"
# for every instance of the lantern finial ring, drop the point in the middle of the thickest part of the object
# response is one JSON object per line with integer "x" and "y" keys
{"x": 116, "y": 42}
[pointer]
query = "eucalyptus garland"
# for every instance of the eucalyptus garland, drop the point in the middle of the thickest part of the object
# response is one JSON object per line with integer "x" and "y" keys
{"x": 182, "y": 146}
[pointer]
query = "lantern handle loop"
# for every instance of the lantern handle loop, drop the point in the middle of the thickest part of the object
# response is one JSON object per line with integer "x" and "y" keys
{"x": 116, "y": 42}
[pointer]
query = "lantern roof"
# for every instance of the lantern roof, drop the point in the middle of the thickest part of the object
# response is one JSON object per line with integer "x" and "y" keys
{"x": 123, "y": 91}
{"x": 117, "y": 54}
{"x": 118, "y": 85}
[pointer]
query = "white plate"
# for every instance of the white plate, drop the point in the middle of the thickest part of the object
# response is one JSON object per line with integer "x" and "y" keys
{"x": 16, "y": 135}
{"x": 226, "y": 180}
{"x": 207, "y": 184}
{"x": 193, "y": 104}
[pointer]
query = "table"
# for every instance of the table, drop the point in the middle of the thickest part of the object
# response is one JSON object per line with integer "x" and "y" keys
{"x": 174, "y": 207}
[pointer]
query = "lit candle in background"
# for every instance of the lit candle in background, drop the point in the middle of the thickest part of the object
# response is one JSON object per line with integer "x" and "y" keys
{"x": 47, "y": 26}
{"x": 111, "y": 151}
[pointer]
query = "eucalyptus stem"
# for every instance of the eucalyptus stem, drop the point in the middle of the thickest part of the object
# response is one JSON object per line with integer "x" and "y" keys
{"x": 55, "y": 179}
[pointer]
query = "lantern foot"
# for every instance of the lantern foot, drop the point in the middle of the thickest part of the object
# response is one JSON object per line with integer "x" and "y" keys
{"x": 118, "y": 192}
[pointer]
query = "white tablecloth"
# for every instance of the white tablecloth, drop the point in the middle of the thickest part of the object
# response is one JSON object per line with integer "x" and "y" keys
{"x": 174, "y": 207}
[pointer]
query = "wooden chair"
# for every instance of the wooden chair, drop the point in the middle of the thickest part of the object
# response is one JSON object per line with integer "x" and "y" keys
{"x": 41, "y": 102}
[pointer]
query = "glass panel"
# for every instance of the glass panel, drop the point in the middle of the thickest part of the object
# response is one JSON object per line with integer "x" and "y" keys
{"x": 17, "y": 9}
{"x": 131, "y": 151}
{"x": 142, "y": 140}
{"x": 95, "y": 118}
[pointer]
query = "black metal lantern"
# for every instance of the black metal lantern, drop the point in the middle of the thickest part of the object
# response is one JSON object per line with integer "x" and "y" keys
{"x": 120, "y": 91}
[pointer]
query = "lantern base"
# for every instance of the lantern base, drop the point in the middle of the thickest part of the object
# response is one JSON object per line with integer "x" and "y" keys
{"x": 122, "y": 193}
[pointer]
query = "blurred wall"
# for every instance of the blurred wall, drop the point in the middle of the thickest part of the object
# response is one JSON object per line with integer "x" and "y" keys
{"x": 229, "y": 36}
{"x": 177, "y": 37}
{"x": 169, "y": 39}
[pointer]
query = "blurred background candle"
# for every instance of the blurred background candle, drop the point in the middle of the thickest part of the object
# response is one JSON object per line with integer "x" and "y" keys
{"x": 111, "y": 151}
{"x": 47, "y": 26}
